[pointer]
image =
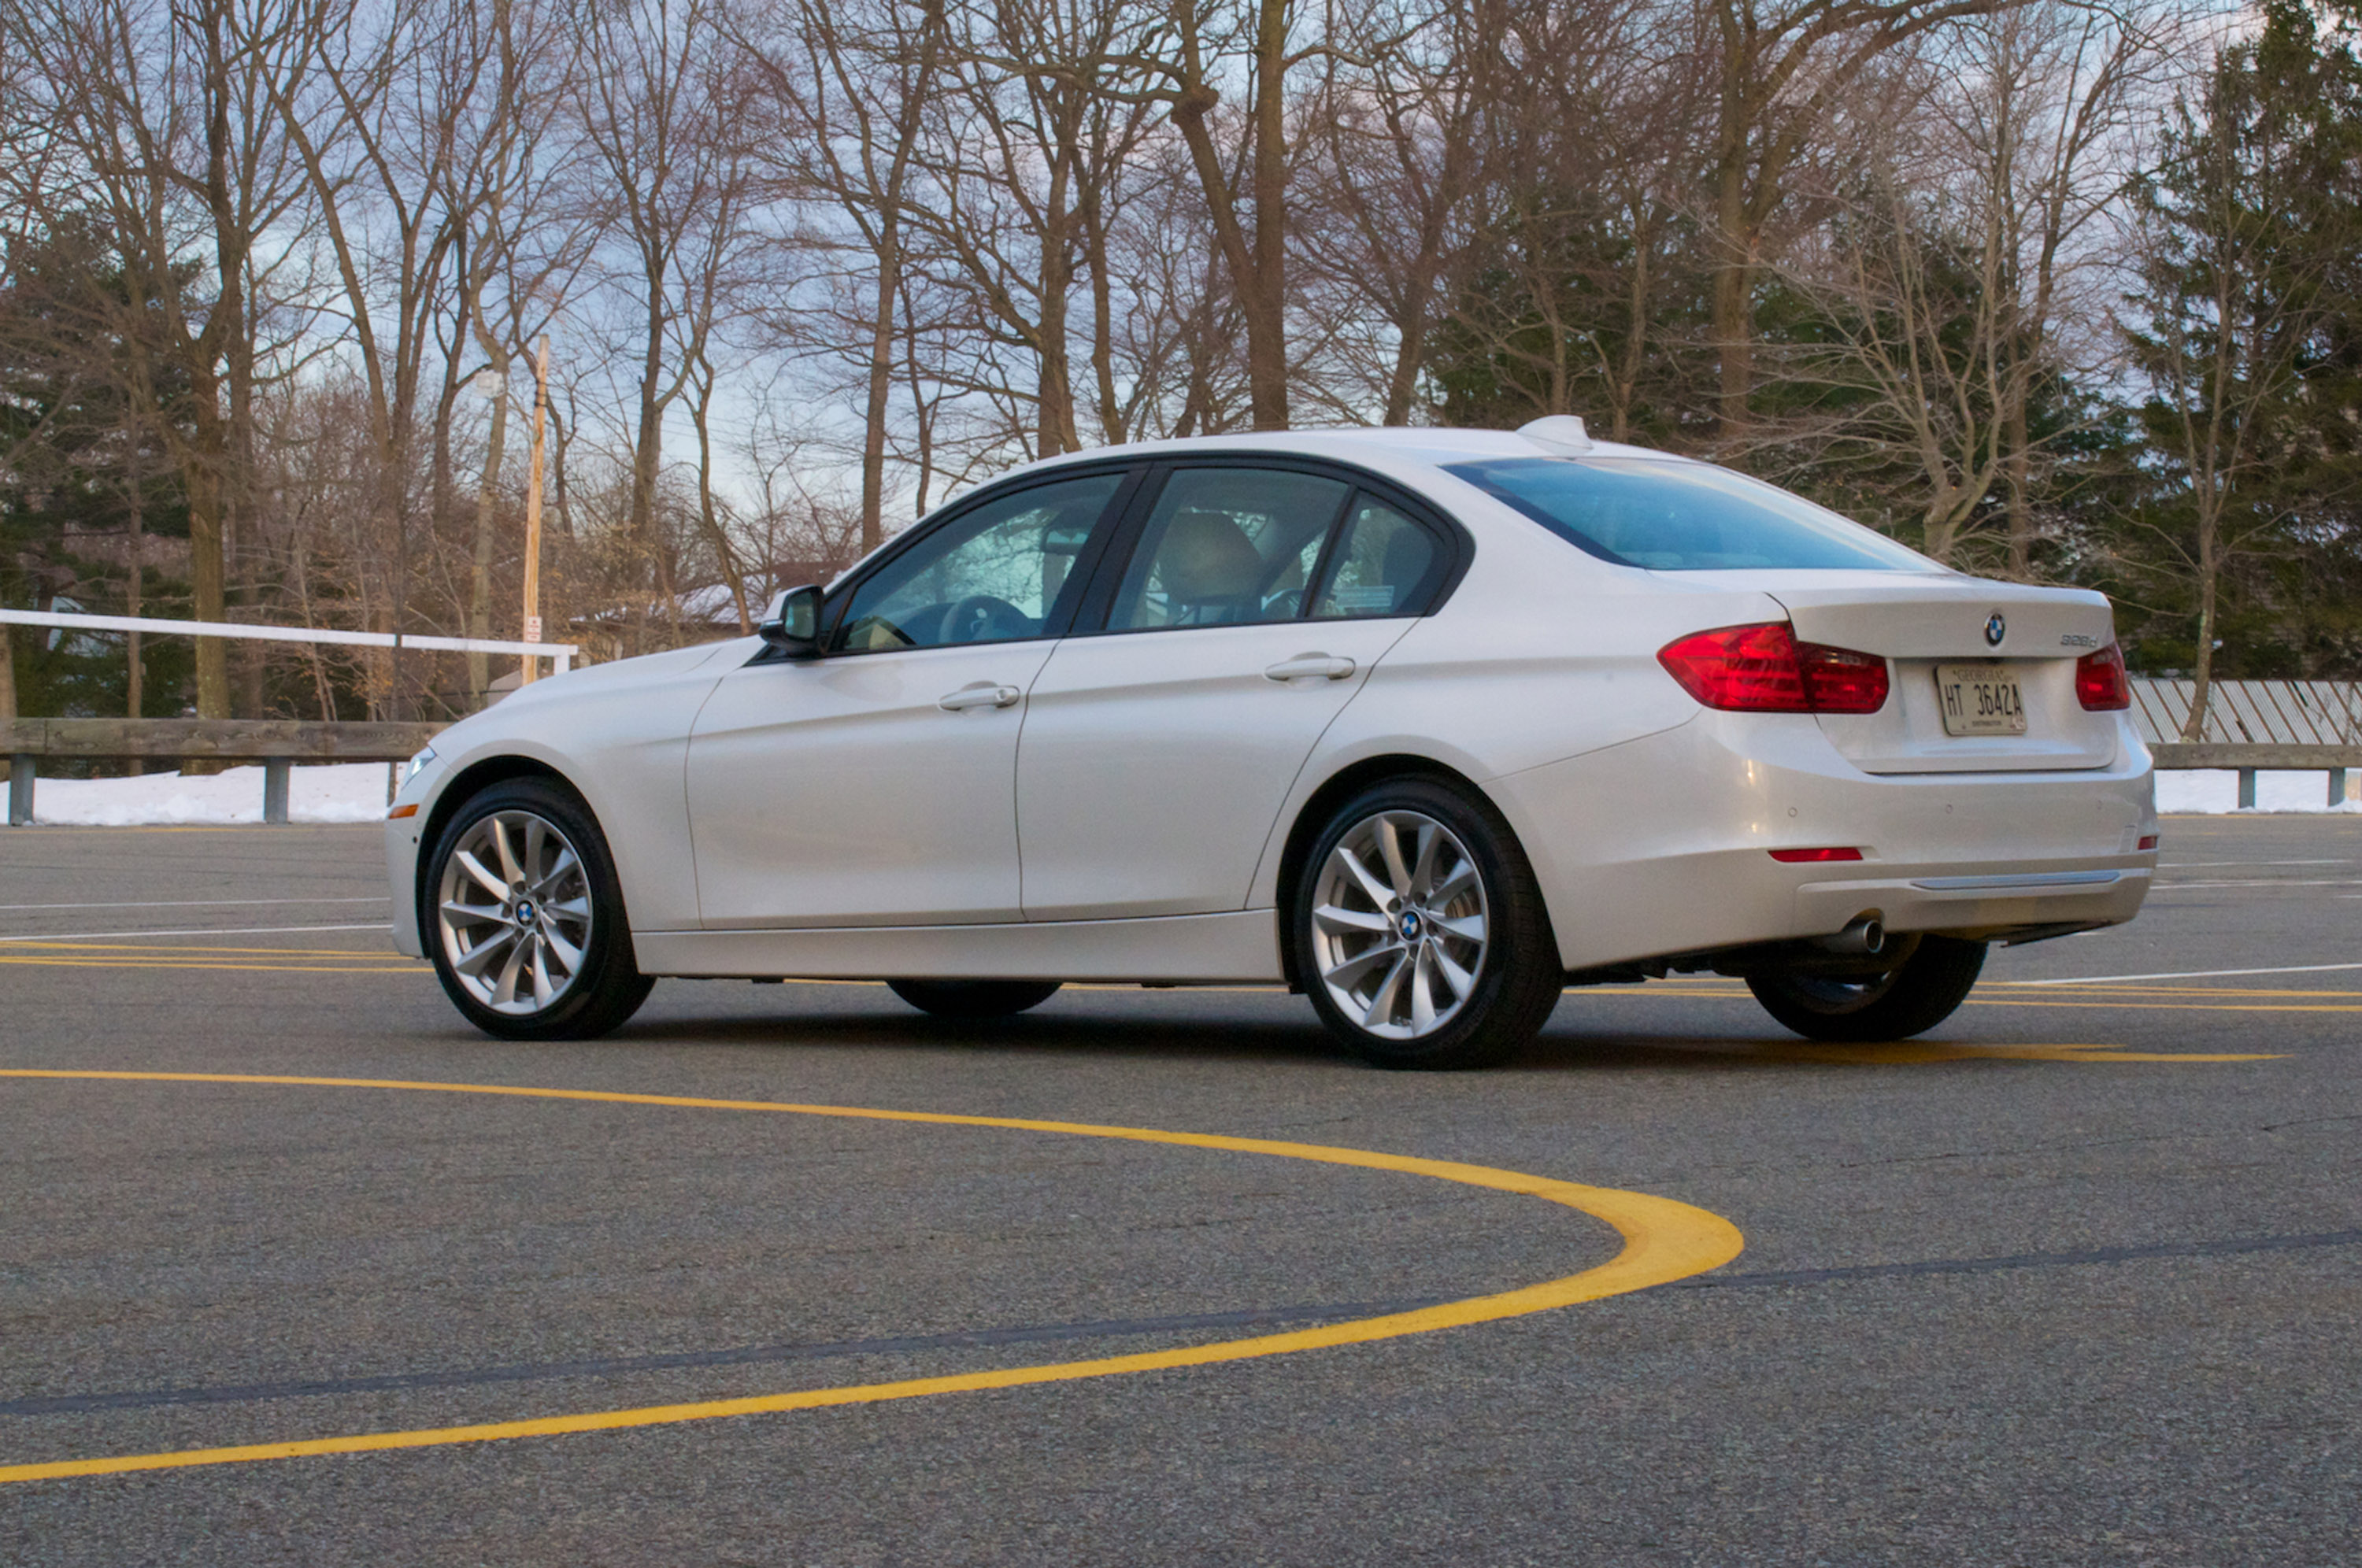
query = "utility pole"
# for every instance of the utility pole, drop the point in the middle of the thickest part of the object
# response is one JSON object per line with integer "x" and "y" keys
{"x": 531, "y": 664}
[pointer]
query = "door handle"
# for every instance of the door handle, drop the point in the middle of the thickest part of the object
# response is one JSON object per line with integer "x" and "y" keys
{"x": 979, "y": 694}
{"x": 1304, "y": 666}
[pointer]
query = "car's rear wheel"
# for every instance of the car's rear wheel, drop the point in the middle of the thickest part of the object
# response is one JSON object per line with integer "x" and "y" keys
{"x": 1930, "y": 979}
{"x": 1419, "y": 930}
{"x": 974, "y": 998}
{"x": 524, "y": 917}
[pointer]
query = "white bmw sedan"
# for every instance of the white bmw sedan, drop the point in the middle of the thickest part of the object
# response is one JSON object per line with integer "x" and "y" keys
{"x": 1424, "y": 724}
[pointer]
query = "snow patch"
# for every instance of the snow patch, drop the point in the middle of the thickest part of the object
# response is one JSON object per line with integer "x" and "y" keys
{"x": 2215, "y": 791}
{"x": 327, "y": 792}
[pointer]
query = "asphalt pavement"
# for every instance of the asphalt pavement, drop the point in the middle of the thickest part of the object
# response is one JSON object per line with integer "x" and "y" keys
{"x": 2071, "y": 1279}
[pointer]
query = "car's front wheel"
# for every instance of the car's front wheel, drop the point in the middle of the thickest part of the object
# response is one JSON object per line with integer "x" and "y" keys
{"x": 525, "y": 917}
{"x": 1419, "y": 930}
{"x": 1930, "y": 978}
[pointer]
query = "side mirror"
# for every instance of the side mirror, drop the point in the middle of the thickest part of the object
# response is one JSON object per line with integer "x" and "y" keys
{"x": 792, "y": 624}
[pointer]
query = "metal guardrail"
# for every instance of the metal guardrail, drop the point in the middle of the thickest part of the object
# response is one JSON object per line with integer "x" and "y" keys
{"x": 2256, "y": 726}
{"x": 2253, "y": 712}
{"x": 277, "y": 744}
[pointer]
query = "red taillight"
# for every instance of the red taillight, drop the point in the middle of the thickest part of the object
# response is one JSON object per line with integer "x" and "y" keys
{"x": 1840, "y": 680}
{"x": 2101, "y": 684}
{"x": 1807, "y": 856}
{"x": 1763, "y": 668}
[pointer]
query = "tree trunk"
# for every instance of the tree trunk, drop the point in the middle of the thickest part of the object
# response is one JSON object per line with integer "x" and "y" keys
{"x": 1734, "y": 303}
{"x": 479, "y": 578}
{"x": 1112, "y": 424}
{"x": 1266, "y": 301}
{"x": 2018, "y": 499}
{"x": 2209, "y": 570}
{"x": 882, "y": 386}
{"x": 1410, "y": 355}
{"x": 201, "y": 479}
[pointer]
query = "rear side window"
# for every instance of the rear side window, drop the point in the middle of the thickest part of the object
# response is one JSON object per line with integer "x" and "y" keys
{"x": 1674, "y": 516}
{"x": 1384, "y": 563}
{"x": 1227, "y": 546}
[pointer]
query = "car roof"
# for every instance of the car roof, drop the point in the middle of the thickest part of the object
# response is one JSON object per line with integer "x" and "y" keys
{"x": 1391, "y": 449}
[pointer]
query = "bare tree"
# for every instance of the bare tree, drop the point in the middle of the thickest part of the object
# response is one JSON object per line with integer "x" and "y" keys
{"x": 1781, "y": 71}
{"x": 845, "y": 85}
{"x": 166, "y": 117}
{"x": 1967, "y": 251}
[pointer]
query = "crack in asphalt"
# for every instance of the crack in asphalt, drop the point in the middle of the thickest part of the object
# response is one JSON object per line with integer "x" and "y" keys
{"x": 532, "y": 1372}
{"x": 529, "y": 1372}
{"x": 2227, "y": 1248}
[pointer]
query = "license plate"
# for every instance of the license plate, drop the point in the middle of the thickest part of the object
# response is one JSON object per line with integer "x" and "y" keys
{"x": 1980, "y": 700}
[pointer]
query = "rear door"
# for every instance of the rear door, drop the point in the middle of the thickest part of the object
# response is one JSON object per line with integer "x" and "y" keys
{"x": 1963, "y": 654}
{"x": 1157, "y": 751}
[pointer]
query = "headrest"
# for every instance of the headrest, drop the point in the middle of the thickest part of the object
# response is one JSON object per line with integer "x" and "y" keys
{"x": 1206, "y": 556}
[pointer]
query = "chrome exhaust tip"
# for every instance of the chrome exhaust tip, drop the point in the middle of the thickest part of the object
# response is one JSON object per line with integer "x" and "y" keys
{"x": 1865, "y": 937}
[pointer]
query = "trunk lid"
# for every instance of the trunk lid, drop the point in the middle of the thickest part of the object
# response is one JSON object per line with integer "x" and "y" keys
{"x": 1920, "y": 624}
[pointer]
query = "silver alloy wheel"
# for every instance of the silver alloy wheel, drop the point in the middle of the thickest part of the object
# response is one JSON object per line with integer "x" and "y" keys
{"x": 514, "y": 912}
{"x": 1398, "y": 925}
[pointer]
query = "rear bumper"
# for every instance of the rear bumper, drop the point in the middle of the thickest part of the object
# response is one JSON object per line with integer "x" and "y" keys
{"x": 1980, "y": 905}
{"x": 1662, "y": 845}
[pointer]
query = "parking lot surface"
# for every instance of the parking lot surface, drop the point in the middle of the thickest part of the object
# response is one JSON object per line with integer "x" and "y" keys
{"x": 2071, "y": 1279}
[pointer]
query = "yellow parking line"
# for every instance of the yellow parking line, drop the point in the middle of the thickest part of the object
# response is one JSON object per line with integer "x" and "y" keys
{"x": 1664, "y": 1240}
{"x": 186, "y": 947}
{"x": 119, "y": 965}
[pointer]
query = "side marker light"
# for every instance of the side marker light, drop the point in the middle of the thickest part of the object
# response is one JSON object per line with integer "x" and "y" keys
{"x": 399, "y": 813}
{"x": 1809, "y": 857}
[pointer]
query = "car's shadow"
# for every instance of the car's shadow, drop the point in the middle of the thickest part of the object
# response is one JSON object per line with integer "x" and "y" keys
{"x": 1565, "y": 1048}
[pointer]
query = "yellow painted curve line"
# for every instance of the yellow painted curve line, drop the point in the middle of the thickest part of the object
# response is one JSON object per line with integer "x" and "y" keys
{"x": 123, "y": 965}
{"x": 1664, "y": 1240}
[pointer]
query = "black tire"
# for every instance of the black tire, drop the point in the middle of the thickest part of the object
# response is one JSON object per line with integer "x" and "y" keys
{"x": 1932, "y": 978}
{"x": 1515, "y": 979}
{"x": 974, "y": 998}
{"x": 604, "y": 988}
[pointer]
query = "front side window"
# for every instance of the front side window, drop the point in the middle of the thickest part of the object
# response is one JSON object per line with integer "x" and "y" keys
{"x": 1227, "y": 548}
{"x": 993, "y": 576}
{"x": 1677, "y": 517}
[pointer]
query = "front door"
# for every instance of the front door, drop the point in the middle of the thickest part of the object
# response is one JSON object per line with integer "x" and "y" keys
{"x": 877, "y": 785}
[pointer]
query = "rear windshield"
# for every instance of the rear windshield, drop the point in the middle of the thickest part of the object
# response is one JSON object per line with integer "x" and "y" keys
{"x": 1674, "y": 516}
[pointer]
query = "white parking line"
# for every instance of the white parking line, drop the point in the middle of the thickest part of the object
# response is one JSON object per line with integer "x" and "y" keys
{"x": 2268, "y": 882}
{"x": 187, "y": 904}
{"x": 2189, "y": 975}
{"x": 202, "y": 931}
{"x": 2217, "y": 865}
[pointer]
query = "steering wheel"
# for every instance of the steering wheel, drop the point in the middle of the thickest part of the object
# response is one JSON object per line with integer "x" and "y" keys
{"x": 980, "y": 617}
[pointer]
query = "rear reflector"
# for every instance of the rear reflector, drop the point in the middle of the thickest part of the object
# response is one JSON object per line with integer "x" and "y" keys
{"x": 2101, "y": 684}
{"x": 1762, "y": 668}
{"x": 1807, "y": 856}
{"x": 2149, "y": 841}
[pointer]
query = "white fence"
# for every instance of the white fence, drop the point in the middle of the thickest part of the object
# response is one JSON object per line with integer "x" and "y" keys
{"x": 561, "y": 655}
